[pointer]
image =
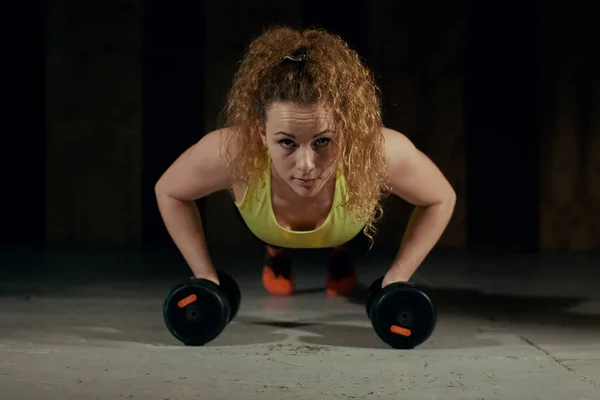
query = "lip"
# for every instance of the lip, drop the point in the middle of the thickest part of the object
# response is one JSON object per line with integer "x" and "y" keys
{"x": 305, "y": 182}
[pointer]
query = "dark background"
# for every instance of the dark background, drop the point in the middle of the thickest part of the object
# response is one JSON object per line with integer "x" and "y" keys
{"x": 103, "y": 95}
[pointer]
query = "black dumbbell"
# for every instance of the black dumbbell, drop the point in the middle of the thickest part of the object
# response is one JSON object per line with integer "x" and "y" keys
{"x": 196, "y": 311}
{"x": 402, "y": 314}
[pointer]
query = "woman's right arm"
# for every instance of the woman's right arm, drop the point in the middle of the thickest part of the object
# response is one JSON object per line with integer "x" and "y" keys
{"x": 196, "y": 173}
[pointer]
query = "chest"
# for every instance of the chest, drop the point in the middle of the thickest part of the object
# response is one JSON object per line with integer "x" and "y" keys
{"x": 300, "y": 216}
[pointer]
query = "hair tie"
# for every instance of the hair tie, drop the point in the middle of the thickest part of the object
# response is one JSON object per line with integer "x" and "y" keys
{"x": 299, "y": 56}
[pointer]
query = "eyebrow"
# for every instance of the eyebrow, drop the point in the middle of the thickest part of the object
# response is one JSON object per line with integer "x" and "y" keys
{"x": 294, "y": 137}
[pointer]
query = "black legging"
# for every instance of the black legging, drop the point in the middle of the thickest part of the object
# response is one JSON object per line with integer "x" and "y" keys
{"x": 339, "y": 260}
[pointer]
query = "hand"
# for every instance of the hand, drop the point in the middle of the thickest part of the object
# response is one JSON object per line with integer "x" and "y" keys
{"x": 210, "y": 276}
{"x": 393, "y": 275}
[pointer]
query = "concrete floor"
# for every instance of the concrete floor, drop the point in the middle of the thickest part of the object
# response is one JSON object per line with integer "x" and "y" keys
{"x": 89, "y": 326}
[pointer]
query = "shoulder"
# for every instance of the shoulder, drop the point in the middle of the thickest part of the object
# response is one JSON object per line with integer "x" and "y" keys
{"x": 231, "y": 147}
{"x": 219, "y": 139}
{"x": 411, "y": 174}
{"x": 224, "y": 143}
{"x": 199, "y": 171}
{"x": 212, "y": 144}
{"x": 398, "y": 150}
{"x": 393, "y": 137}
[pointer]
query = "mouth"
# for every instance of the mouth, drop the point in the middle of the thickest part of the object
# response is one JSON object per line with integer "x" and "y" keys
{"x": 305, "y": 182}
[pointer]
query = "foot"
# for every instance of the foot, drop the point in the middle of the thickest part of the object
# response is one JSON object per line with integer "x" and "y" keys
{"x": 341, "y": 275}
{"x": 277, "y": 275}
{"x": 341, "y": 286}
{"x": 277, "y": 285}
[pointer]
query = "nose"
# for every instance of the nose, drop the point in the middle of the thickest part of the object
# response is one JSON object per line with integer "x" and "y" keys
{"x": 305, "y": 161}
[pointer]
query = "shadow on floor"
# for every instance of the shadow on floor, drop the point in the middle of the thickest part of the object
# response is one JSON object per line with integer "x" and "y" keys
{"x": 551, "y": 311}
{"x": 465, "y": 316}
{"x": 466, "y": 319}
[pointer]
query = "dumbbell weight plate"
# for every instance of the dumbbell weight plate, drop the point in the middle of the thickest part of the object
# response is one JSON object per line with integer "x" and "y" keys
{"x": 196, "y": 312}
{"x": 371, "y": 292}
{"x": 232, "y": 290}
{"x": 403, "y": 315}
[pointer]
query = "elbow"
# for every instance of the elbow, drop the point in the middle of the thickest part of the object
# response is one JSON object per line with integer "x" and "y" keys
{"x": 450, "y": 199}
{"x": 160, "y": 189}
{"x": 446, "y": 199}
{"x": 452, "y": 196}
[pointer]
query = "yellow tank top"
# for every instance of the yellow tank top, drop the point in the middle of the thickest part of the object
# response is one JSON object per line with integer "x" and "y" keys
{"x": 257, "y": 212}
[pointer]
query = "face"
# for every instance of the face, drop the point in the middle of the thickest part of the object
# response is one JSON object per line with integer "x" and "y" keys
{"x": 302, "y": 149}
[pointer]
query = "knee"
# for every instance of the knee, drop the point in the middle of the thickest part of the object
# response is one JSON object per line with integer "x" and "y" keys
{"x": 277, "y": 252}
{"x": 340, "y": 250}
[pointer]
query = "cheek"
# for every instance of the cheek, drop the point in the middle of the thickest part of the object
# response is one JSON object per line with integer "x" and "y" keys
{"x": 330, "y": 158}
{"x": 282, "y": 160}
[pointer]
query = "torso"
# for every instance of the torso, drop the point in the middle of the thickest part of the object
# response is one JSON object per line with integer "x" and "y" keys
{"x": 275, "y": 215}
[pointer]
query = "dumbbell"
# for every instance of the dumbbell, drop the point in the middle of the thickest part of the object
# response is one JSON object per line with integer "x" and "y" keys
{"x": 196, "y": 311}
{"x": 402, "y": 314}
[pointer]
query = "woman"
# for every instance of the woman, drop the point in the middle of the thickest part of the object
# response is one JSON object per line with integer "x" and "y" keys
{"x": 307, "y": 161}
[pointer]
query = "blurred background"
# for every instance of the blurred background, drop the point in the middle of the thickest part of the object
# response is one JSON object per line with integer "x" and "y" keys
{"x": 103, "y": 95}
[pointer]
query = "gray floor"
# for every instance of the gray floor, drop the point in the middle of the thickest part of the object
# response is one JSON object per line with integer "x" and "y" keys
{"x": 89, "y": 326}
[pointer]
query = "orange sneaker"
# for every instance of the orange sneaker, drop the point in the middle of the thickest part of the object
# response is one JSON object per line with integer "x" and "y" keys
{"x": 277, "y": 275}
{"x": 341, "y": 275}
{"x": 343, "y": 286}
{"x": 277, "y": 285}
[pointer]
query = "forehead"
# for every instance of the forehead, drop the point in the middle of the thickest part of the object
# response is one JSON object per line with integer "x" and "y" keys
{"x": 296, "y": 119}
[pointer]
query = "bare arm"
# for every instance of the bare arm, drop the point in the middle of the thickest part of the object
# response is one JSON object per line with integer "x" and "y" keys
{"x": 198, "y": 172}
{"x": 416, "y": 179}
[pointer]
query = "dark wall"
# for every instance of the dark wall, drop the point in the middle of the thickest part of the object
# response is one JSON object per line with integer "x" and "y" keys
{"x": 417, "y": 52}
{"x": 22, "y": 153}
{"x": 569, "y": 89}
{"x": 172, "y": 71}
{"x": 502, "y": 131}
{"x": 93, "y": 113}
{"x": 107, "y": 94}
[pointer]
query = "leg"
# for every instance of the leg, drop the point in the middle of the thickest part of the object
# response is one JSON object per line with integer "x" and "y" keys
{"x": 277, "y": 274}
{"x": 341, "y": 274}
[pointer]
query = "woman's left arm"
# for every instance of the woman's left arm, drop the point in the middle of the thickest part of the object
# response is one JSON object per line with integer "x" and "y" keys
{"x": 416, "y": 179}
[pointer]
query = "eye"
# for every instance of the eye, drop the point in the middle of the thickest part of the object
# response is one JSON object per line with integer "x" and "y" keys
{"x": 322, "y": 142}
{"x": 287, "y": 143}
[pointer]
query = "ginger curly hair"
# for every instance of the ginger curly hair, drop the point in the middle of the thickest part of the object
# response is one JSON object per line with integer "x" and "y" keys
{"x": 331, "y": 74}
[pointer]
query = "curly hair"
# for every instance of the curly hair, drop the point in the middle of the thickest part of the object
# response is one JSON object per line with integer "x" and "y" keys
{"x": 331, "y": 74}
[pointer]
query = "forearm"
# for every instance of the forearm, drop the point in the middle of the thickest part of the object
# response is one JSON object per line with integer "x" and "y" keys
{"x": 184, "y": 224}
{"x": 423, "y": 231}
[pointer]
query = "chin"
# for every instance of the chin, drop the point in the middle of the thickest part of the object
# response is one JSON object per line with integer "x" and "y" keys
{"x": 305, "y": 190}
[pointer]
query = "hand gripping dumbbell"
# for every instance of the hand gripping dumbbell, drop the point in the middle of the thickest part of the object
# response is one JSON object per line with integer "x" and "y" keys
{"x": 402, "y": 314}
{"x": 196, "y": 311}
